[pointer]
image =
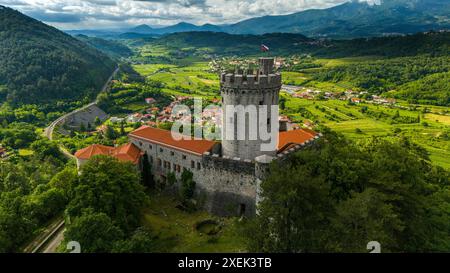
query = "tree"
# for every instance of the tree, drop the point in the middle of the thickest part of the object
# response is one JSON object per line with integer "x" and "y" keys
{"x": 122, "y": 128}
{"x": 65, "y": 181}
{"x": 109, "y": 186}
{"x": 44, "y": 148}
{"x": 282, "y": 103}
{"x": 187, "y": 185}
{"x": 95, "y": 232}
{"x": 294, "y": 216}
{"x": 337, "y": 196}
{"x": 171, "y": 178}
{"x": 97, "y": 121}
{"x": 365, "y": 217}
{"x": 147, "y": 176}
{"x": 110, "y": 133}
{"x": 141, "y": 242}
{"x": 82, "y": 127}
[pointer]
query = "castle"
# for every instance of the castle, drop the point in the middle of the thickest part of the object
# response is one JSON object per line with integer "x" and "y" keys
{"x": 227, "y": 174}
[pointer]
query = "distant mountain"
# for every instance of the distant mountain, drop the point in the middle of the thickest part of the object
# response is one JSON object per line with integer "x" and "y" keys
{"x": 349, "y": 20}
{"x": 355, "y": 19}
{"x": 39, "y": 63}
{"x": 180, "y": 27}
{"x": 142, "y": 29}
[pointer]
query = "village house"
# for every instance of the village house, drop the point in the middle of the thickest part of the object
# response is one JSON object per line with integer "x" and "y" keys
{"x": 126, "y": 153}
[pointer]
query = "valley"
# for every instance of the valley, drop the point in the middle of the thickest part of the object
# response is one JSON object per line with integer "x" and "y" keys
{"x": 375, "y": 112}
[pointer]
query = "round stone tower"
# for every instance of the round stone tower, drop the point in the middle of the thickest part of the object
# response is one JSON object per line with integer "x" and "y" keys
{"x": 248, "y": 89}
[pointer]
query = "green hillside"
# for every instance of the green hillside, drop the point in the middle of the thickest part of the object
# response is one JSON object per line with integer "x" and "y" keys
{"x": 111, "y": 48}
{"x": 355, "y": 19}
{"x": 433, "y": 43}
{"x": 39, "y": 63}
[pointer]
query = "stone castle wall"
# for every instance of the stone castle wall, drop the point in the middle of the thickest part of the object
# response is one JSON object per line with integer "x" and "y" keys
{"x": 229, "y": 184}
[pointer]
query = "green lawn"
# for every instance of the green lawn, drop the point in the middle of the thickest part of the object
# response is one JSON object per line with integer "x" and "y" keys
{"x": 25, "y": 152}
{"x": 175, "y": 230}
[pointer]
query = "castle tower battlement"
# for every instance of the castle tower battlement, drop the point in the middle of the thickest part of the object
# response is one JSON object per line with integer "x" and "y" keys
{"x": 248, "y": 88}
{"x": 250, "y": 81}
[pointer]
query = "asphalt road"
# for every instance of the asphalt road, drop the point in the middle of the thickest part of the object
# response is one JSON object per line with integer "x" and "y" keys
{"x": 50, "y": 243}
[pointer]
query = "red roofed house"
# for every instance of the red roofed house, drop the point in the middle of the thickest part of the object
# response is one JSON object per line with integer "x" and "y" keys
{"x": 126, "y": 153}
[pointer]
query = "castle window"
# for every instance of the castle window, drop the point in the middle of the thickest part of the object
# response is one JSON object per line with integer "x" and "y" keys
{"x": 268, "y": 121}
{"x": 159, "y": 162}
{"x": 161, "y": 150}
{"x": 192, "y": 164}
{"x": 261, "y": 102}
{"x": 199, "y": 166}
{"x": 150, "y": 146}
{"x": 140, "y": 143}
{"x": 172, "y": 153}
{"x": 184, "y": 157}
{"x": 242, "y": 209}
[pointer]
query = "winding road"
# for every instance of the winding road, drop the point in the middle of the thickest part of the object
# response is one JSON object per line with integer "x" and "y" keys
{"x": 54, "y": 235}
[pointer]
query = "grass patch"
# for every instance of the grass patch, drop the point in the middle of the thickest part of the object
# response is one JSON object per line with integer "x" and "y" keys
{"x": 25, "y": 152}
{"x": 176, "y": 229}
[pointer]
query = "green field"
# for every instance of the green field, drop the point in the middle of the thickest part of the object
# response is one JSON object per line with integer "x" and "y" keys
{"x": 349, "y": 120}
{"x": 194, "y": 80}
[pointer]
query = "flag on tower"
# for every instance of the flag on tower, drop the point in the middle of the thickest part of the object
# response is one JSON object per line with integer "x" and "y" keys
{"x": 264, "y": 48}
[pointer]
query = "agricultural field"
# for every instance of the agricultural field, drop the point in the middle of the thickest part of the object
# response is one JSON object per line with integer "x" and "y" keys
{"x": 194, "y": 80}
{"x": 430, "y": 130}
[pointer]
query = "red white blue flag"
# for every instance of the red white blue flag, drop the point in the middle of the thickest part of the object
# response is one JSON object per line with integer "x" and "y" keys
{"x": 264, "y": 48}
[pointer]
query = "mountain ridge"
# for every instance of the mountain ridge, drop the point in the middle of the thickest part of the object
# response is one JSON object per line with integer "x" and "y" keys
{"x": 39, "y": 63}
{"x": 352, "y": 19}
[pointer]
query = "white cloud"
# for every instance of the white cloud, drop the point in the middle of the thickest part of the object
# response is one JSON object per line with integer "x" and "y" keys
{"x": 78, "y": 14}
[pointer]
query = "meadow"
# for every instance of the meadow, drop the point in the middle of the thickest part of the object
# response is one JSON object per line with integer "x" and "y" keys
{"x": 176, "y": 232}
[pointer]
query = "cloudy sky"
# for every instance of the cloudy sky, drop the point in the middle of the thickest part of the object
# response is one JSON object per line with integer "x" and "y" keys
{"x": 102, "y": 14}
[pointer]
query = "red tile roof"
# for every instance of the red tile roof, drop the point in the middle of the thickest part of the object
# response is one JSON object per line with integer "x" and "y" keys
{"x": 164, "y": 137}
{"x": 128, "y": 152}
{"x": 289, "y": 139}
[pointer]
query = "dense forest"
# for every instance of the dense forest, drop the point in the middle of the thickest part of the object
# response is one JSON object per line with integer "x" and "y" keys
{"x": 339, "y": 195}
{"x": 39, "y": 63}
{"x": 33, "y": 191}
{"x": 432, "y": 43}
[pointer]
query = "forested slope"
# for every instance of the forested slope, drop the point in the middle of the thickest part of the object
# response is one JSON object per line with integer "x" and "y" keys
{"x": 39, "y": 63}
